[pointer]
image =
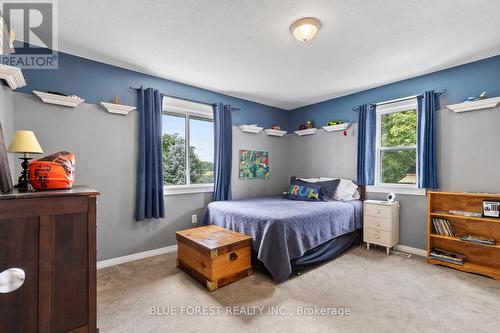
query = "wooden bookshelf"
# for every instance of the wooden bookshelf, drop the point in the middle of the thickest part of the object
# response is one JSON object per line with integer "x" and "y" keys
{"x": 481, "y": 258}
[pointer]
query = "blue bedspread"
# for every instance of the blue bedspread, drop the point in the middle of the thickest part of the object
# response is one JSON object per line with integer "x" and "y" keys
{"x": 284, "y": 229}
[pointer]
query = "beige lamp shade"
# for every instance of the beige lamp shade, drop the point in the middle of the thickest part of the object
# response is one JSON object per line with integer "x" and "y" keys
{"x": 25, "y": 142}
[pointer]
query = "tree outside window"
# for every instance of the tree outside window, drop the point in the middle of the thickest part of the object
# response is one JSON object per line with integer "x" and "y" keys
{"x": 199, "y": 134}
{"x": 397, "y": 144}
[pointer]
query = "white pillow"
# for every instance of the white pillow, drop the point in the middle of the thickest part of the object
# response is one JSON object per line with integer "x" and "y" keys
{"x": 309, "y": 180}
{"x": 347, "y": 189}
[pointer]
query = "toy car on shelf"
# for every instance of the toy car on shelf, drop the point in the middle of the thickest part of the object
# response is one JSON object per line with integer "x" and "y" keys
{"x": 334, "y": 122}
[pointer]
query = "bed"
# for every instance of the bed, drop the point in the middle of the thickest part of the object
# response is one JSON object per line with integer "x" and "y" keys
{"x": 290, "y": 235}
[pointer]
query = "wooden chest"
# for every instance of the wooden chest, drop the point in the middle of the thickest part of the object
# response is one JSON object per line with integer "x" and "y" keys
{"x": 214, "y": 256}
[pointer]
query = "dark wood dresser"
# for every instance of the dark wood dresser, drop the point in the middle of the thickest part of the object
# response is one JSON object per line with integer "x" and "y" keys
{"x": 48, "y": 239}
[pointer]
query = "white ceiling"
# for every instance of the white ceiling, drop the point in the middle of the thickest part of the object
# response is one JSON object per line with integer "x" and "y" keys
{"x": 245, "y": 49}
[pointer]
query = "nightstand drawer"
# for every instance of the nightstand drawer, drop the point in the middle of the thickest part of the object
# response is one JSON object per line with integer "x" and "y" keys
{"x": 377, "y": 236}
{"x": 378, "y": 223}
{"x": 378, "y": 210}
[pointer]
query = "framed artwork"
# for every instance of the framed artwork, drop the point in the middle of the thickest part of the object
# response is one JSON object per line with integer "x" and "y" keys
{"x": 5, "y": 176}
{"x": 254, "y": 164}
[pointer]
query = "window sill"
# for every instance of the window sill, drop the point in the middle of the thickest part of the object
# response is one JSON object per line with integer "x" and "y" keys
{"x": 397, "y": 190}
{"x": 177, "y": 190}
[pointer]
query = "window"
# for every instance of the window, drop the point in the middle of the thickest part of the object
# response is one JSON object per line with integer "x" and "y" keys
{"x": 396, "y": 145}
{"x": 201, "y": 159}
{"x": 174, "y": 149}
{"x": 188, "y": 146}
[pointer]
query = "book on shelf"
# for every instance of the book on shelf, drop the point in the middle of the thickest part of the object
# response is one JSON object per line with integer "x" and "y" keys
{"x": 464, "y": 213}
{"x": 478, "y": 239}
{"x": 443, "y": 227}
{"x": 448, "y": 256}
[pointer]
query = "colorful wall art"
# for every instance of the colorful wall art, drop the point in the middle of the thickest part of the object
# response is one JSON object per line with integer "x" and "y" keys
{"x": 254, "y": 164}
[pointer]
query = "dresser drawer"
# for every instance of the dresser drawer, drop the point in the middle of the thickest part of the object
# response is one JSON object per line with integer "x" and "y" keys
{"x": 377, "y": 236}
{"x": 378, "y": 210}
{"x": 378, "y": 223}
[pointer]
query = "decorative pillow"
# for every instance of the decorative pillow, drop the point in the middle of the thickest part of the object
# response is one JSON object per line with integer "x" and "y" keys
{"x": 346, "y": 190}
{"x": 310, "y": 180}
{"x": 328, "y": 189}
{"x": 303, "y": 191}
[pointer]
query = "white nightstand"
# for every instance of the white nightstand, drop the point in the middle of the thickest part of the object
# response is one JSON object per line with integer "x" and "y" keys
{"x": 381, "y": 223}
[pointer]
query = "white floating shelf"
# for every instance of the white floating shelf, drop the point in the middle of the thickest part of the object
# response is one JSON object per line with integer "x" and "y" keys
{"x": 117, "y": 108}
{"x": 13, "y": 76}
{"x": 486, "y": 103}
{"x": 251, "y": 129}
{"x": 334, "y": 128}
{"x": 308, "y": 131}
{"x": 274, "y": 132}
{"x": 71, "y": 101}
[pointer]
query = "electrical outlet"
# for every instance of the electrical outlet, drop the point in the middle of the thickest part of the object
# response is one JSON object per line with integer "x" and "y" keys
{"x": 194, "y": 219}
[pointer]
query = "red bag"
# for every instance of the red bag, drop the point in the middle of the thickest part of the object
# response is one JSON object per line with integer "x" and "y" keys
{"x": 56, "y": 171}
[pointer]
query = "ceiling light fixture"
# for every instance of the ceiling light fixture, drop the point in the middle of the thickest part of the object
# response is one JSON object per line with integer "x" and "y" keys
{"x": 305, "y": 29}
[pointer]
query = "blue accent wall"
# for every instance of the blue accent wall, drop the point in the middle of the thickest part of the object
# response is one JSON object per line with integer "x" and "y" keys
{"x": 460, "y": 82}
{"x": 95, "y": 82}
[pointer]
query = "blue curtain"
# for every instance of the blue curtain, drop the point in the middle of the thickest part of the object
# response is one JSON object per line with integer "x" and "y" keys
{"x": 366, "y": 145}
{"x": 426, "y": 138}
{"x": 149, "y": 192}
{"x": 223, "y": 142}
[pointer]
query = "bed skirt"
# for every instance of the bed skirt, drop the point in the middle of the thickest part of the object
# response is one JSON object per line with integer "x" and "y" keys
{"x": 318, "y": 255}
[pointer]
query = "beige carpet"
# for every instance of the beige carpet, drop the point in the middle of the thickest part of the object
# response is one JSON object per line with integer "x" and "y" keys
{"x": 384, "y": 294}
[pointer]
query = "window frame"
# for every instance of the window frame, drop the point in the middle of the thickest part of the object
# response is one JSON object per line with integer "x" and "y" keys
{"x": 381, "y": 187}
{"x": 188, "y": 110}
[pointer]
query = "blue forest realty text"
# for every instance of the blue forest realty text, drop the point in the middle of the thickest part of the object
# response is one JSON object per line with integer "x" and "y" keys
{"x": 199, "y": 310}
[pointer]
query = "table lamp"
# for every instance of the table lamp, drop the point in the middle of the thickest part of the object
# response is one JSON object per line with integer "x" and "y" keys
{"x": 24, "y": 142}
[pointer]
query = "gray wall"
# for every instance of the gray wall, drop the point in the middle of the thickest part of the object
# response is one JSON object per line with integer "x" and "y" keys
{"x": 105, "y": 146}
{"x": 278, "y": 174}
{"x": 324, "y": 154}
{"x": 7, "y": 121}
{"x": 469, "y": 150}
{"x": 468, "y": 159}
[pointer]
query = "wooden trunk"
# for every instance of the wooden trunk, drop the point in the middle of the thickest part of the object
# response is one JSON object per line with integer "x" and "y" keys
{"x": 51, "y": 237}
{"x": 214, "y": 256}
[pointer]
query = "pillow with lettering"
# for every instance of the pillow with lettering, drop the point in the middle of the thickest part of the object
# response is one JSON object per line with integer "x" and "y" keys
{"x": 303, "y": 191}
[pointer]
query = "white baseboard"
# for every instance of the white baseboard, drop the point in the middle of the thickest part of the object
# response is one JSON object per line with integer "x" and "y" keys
{"x": 135, "y": 256}
{"x": 173, "y": 248}
{"x": 412, "y": 250}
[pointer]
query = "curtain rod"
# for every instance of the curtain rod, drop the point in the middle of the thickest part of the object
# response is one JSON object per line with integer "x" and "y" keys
{"x": 439, "y": 93}
{"x": 185, "y": 99}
